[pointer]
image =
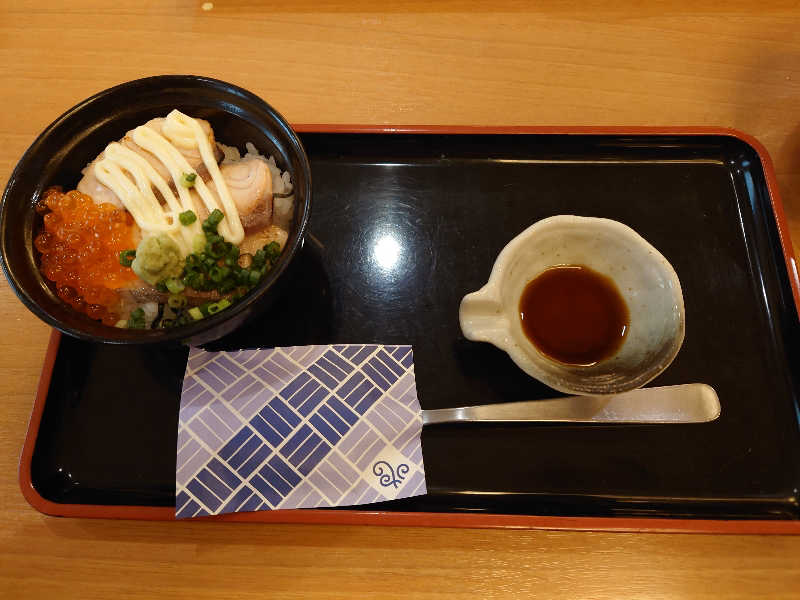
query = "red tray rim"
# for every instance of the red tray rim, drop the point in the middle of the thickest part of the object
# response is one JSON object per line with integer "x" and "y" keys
{"x": 413, "y": 519}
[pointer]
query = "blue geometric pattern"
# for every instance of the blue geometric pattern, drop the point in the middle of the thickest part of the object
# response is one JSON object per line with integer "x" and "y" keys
{"x": 297, "y": 427}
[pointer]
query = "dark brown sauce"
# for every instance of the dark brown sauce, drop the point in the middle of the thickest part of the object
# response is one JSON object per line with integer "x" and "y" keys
{"x": 574, "y": 314}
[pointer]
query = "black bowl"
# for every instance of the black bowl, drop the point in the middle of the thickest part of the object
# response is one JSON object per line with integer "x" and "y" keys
{"x": 76, "y": 137}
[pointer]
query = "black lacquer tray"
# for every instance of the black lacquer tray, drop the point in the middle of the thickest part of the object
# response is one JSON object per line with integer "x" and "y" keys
{"x": 404, "y": 223}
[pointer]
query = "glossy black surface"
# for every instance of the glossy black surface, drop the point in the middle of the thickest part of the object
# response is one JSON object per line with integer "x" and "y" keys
{"x": 403, "y": 227}
{"x": 74, "y": 139}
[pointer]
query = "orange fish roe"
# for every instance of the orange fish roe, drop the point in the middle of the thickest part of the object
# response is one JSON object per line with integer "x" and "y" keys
{"x": 80, "y": 248}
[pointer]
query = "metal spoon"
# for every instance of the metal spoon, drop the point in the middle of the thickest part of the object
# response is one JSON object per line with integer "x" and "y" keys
{"x": 688, "y": 403}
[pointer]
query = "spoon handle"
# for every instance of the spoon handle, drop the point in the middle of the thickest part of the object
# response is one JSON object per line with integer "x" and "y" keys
{"x": 687, "y": 403}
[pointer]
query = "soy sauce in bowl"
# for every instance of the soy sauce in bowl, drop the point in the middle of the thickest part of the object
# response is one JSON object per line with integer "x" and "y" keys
{"x": 574, "y": 315}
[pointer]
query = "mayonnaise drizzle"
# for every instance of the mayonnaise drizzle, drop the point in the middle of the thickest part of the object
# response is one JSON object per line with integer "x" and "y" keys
{"x": 180, "y": 131}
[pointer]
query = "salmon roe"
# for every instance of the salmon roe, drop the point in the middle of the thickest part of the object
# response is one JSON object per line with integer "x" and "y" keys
{"x": 80, "y": 248}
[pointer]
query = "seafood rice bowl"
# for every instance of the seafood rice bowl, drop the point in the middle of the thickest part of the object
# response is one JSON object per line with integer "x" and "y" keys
{"x": 170, "y": 224}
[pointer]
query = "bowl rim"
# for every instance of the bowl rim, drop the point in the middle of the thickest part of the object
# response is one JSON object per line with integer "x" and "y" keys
{"x": 185, "y": 332}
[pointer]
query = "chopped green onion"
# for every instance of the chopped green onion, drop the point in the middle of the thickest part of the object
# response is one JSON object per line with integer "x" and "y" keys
{"x": 176, "y": 301}
{"x": 216, "y": 216}
{"x": 218, "y": 306}
{"x": 136, "y": 320}
{"x": 187, "y": 181}
{"x": 272, "y": 250}
{"x": 195, "y": 280}
{"x": 215, "y": 265}
{"x": 226, "y": 286}
{"x": 175, "y": 286}
{"x": 217, "y": 274}
{"x": 187, "y": 217}
{"x": 259, "y": 258}
{"x": 243, "y": 277}
{"x": 126, "y": 257}
{"x": 216, "y": 249}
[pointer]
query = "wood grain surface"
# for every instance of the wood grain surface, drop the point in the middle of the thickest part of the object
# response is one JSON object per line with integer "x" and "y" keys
{"x": 733, "y": 63}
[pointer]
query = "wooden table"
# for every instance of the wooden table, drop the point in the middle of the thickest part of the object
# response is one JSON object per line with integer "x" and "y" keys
{"x": 731, "y": 63}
